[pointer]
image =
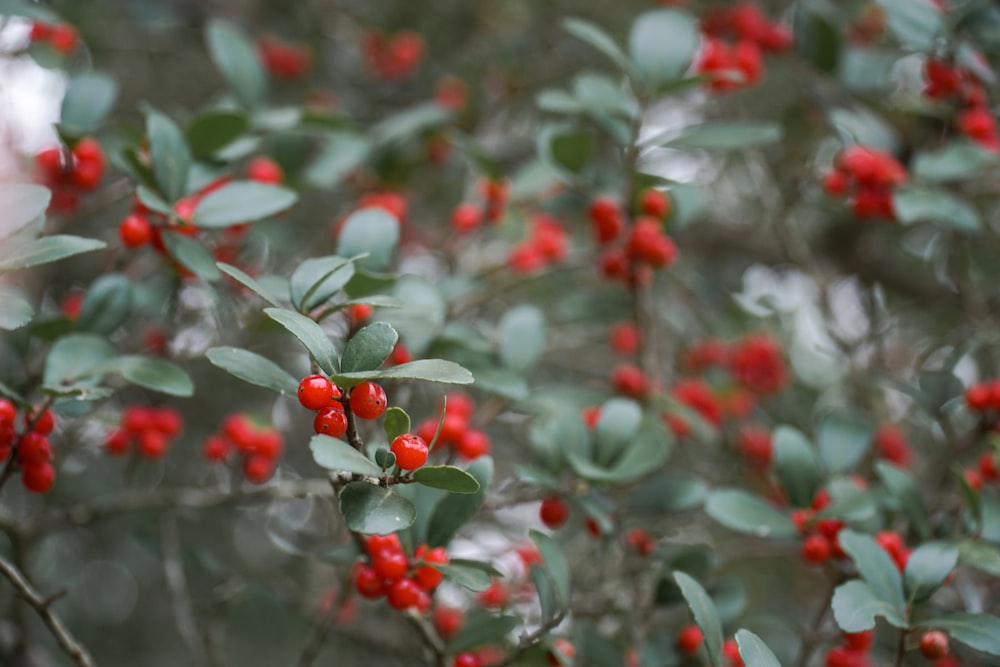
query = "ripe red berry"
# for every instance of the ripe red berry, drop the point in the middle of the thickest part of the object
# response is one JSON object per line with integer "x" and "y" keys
{"x": 816, "y": 549}
{"x": 496, "y": 596}
{"x": 167, "y": 421}
{"x": 731, "y": 652}
{"x": 628, "y": 379}
{"x": 367, "y": 582}
{"x": 7, "y": 411}
{"x": 38, "y": 477}
{"x": 979, "y": 397}
{"x": 755, "y": 445}
{"x": 265, "y": 170}
{"x": 238, "y": 428}
{"x": 216, "y": 448}
{"x": 410, "y": 450}
{"x": 934, "y": 644}
{"x": 467, "y": 660}
{"x": 43, "y": 423}
{"x": 403, "y": 594}
{"x": 655, "y": 203}
{"x": 317, "y": 392}
{"x": 561, "y": 653}
{"x": 466, "y": 217}
{"x": 269, "y": 444}
{"x": 153, "y": 444}
{"x": 118, "y": 443}
{"x": 448, "y": 621}
{"x": 427, "y": 576}
{"x": 473, "y": 444}
{"x": 63, "y": 38}
{"x": 376, "y": 543}
{"x": 39, "y": 31}
{"x": 390, "y": 565}
{"x": 842, "y": 656}
{"x": 625, "y": 338}
{"x": 368, "y": 400}
{"x": 859, "y": 641}
{"x": 553, "y": 512}
{"x": 690, "y": 639}
{"x": 33, "y": 449}
{"x": 988, "y": 467}
{"x": 258, "y": 469}
{"x": 135, "y": 230}
{"x": 331, "y": 421}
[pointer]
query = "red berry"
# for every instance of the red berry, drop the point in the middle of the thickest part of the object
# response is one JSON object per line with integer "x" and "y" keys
{"x": 655, "y": 203}
{"x": 525, "y": 257}
{"x": 153, "y": 444}
{"x": 467, "y": 660}
{"x": 368, "y": 400}
{"x": 258, "y": 469}
{"x": 756, "y": 362}
{"x": 988, "y": 467}
{"x": 87, "y": 174}
{"x": 331, "y": 421}
{"x": 756, "y": 446}
{"x": 466, "y": 217}
{"x": 39, "y": 31}
{"x": 237, "y": 427}
{"x": 473, "y": 444}
{"x": 376, "y": 543}
{"x": 403, "y": 594}
{"x": 7, "y": 411}
{"x": 265, "y": 170}
{"x": 842, "y": 656}
{"x": 553, "y": 511}
{"x": 835, "y": 183}
{"x": 269, "y": 444}
{"x": 63, "y": 38}
{"x": 427, "y": 576}
{"x": 410, "y": 450}
{"x": 891, "y": 541}
{"x": 390, "y": 565}
{"x": 367, "y": 582}
{"x": 359, "y": 312}
{"x": 628, "y": 379}
{"x": 690, "y": 639}
{"x": 448, "y": 621}
{"x": 317, "y": 392}
{"x": 859, "y": 641}
{"x": 44, "y": 423}
{"x": 135, "y": 230}
{"x": 38, "y": 477}
{"x": 33, "y": 449}
{"x": 816, "y": 549}
{"x": 118, "y": 443}
{"x": 639, "y": 539}
{"x": 216, "y": 448}
{"x": 561, "y": 653}
{"x": 496, "y": 596}
{"x": 168, "y": 421}
{"x": 934, "y": 644}
{"x": 979, "y": 397}
{"x": 892, "y": 445}
{"x": 731, "y": 652}
{"x": 625, "y": 338}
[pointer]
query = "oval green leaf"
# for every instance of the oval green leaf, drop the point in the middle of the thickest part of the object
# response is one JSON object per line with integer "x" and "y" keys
{"x": 373, "y": 232}
{"x": 374, "y": 510}
{"x": 310, "y": 334}
{"x": 705, "y": 614}
{"x": 241, "y": 202}
{"x": 368, "y": 348}
{"x": 335, "y": 454}
{"x": 754, "y": 651}
{"x": 449, "y": 478}
{"x": 235, "y": 57}
{"x": 253, "y": 368}
{"x": 47, "y": 249}
{"x": 746, "y": 513}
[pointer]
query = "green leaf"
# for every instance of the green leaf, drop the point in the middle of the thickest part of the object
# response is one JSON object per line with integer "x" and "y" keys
{"x": 977, "y": 631}
{"x": 431, "y": 370}
{"x": 310, "y": 334}
{"x": 372, "y": 231}
{"x": 917, "y": 24}
{"x": 15, "y": 312}
{"x": 170, "y": 155}
{"x": 645, "y": 453}
{"x": 449, "y": 478}
{"x": 235, "y": 57}
{"x": 521, "y": 334}
{"x": 662, "y": 44}
{"x": 409, "y": 123}
{"x": 28, "y": 9}
{"x": 754, "y": 651}
{"x": 317, "y": 279}
{"x": 20, "y": 204}
{"x": 47, "y": 249}
{"x": 250, "y": 283}
{"x": 107, "y": 304}
{"x": 566, "y": 147}
{"x": 253, "y": 368}
{"x": 796, "y": 465}
{"x": 746, "y": 513}
{"x": 341, "y": 154}
{"x": 240, "y": 202}
{"x": 843, "y": 438}
{"x": 483, "y": 629}
{"x": 76, "y": 356}
{"x": 555, "y": 564}
{"x": 954, "y": 161}
{"x": 914, "y": 204}
{"x": 455, "y": 510}
{"x": 368, "y": 348}
{"x": 548, "y": 599}
{"x": 335, "y": 454}
{"x": 667, "y": 492}
{"x": 980, "y": 555}
{"x": 593, "y": 35}
{"x": 855, "y": 607}
{"x": 705, "y": 615}
{"x": 928, "y": 567}
{"x": 901, "y": 485}
{"x": 374, "y": 510}
{"x": 154, "y": 374}
{"x": 89, "y": 97}
{"x": 466, "y": 576}
{"x": 396, "y": 423}
{"x": 876, "y": 567}
{"x": 152, "y": 200}
{"x": 212, "y": 130}
{"x": 616, "y": 428}
{"x": 725, "y": 136}
{"x": 192, "y": 255}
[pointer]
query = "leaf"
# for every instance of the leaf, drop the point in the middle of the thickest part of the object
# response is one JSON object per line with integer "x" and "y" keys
{"x": 565, "y": 147}
{"x": 617, "y": 426}
{"x": 253, "y": 368}
{"x": 548, "y": 599}
{"x": 212, "y": 130}
{"x": 335, "y": 454}
{"x": 240, "y": 202}
{"x": 374, "y": 510}
{"x": 667, "y": 493}
{"x": 855, "y": 607}
{"x": 954, "y": 161}
{"x": 705, "y": 614}
{"x": 521, "y": 334}
{"x": 192, "y": 255}
{"x": 449, "y": 478}
{"x": 107, "y": 304}
{"x": 341, "y": 154}
{"x": 152, "y": 200}
{"x": 796, "y": 465}
{"x": 409, "y": 123}
{"x": 876, "y": 567}
{"x": 455, "y": 510}
{"x": 47, "y": 249}
{"x": 368, "y": 348}
{"x": 980, "y": 555}
{"x": 170, "y": 155}
{"x": 15, "y": 312}
{"x": 593, "y": 35}
{"x": 726, "y": 136}
{"x": 317, "y": 279}
{"x": 746, "y": 513}
{"x": 754, "y": 651}
{"x": 310, "y": 334}
{"x": 372, "y": 231}
{"x": 396, "y": 423}
{"x": 431, "y": 370}
{"x": 555, "y": 564}
{"x": 88, "y": 99}
{"x": 645, "y": 453}
{"x": 977, "y": 631}
{"x": 914, "y": 204}
{"x": 915, "y": 23}
{"x": 236, "y": 59}
{"x": 76, "y": 356}
{"x": 899, "y": 483}
{"x": 20, "y": 204}
{"x": 483, "y": 629}
{"x": 154, "y": 374}
{"x": 466, "y": 576}
{"x": 928, "y": 566}
{"x": 843, "y": 438}
{"x": 250, "y": 283}
{"x": 662, "y": 45}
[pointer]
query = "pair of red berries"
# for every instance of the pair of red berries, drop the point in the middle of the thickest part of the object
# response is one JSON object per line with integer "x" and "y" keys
{"x": 260, "y": 448}
{"x": 395, "y": 57}
{"x": 62, "y": 37}
{"x": 149, "y": 429}
{"x": 32, "y": 448}
{"x": 67, "y": 172}
{"x": 547, "y": 242}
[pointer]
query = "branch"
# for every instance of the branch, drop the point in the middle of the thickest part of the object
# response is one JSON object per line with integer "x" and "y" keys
{"x": 528, "y": 641}
{"x": 180, "y": 596}
{"x": 67, "y": 642}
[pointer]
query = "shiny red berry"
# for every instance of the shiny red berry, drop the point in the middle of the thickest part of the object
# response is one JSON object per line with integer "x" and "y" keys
{"x": 403, "y": 594}
{"x": 473, "y": 444}
{"x": 265, "y": 170}
{"x": 331, "y": 421}
{"x": 448, "y": 621}
{"x": 317, "y": 392}
{"x": 690, "y": 639}
{"x": 368, "y": 583}
{"x": 43, "y": 423}
{"x": 934, "y": 644}
{"x": 368, "y": 400}
{"x": 467, "y": 660}
{"x": 816, "y": 549}
{"x": 258, "y": 469}
{"x": 38, "y": 477}
{"x": 135, "y": 230}
{"x": 553, "y": 511}
{"x": 410, "y": 450}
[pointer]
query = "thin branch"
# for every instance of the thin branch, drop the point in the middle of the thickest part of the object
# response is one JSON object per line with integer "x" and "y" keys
{"x": 431, "y": 638}
{"x": 180, "y": 596}
{"x": 36, "y": 601}
{"x": 528, "y": 641}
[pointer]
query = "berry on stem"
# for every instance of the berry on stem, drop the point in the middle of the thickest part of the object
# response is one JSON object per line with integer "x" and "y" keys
{"x": 368, "y": 400}
{"x": 410, "y": 450}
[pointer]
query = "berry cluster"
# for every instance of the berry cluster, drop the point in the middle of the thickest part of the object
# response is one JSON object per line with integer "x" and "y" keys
{"x": 690, "y": 640}
{"x": 283, "y": 60}
{"x": 736, "y": 39}
{"x": 147, "y": 429}
{"x": 866, "y": 176}
{"x": 492, "y": 204}
{"x": 32, "y": 449}
{"x": 853, "y": 650}
{"x": 388, "y": 572}
{"x": 630, "y": 257}
{"x": 68, "y": 172}
{"x": 392, "y": 58}
{"x": 62, "y": 37}
{"x": 961, "y": 87}
{"x": 546, "y": 243}
{"x": 456, "y": 431}
{"x": 259, "y": 448}
{"x": 319, "y": 394}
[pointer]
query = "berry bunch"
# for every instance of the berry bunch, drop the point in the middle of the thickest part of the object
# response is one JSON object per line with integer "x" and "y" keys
{"x": 631, "y": 255}
{"x": 386, "y": 571}
{"x": 147, "y": 429}
{"x": 491, "y": 206}
{"x": 259, "y": 448}
{"x": 867, "y": 176}
{"x": 62, "y": 37}
{"x": 322, "y": 396}
{"x": 546, "y": 243}
{"x": 853, "y": 651}
{"x": 392, "y": 58}
{"x": 32, "y": 449}
{"x": 283, "y": 60}
{"x": 962, "y": 88}
{"x": 736, "y": 39}
{"x": 456, "y": 431}
{"x": 821, "y": 535}
{"x": 70, "y": 171}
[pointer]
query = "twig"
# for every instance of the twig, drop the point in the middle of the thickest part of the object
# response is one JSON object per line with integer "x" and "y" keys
{"x": 67, "y": 642}
{"x": 528, "y": 641}
{"x": 180, "y": 596}
{"x": 431, "y": 638}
